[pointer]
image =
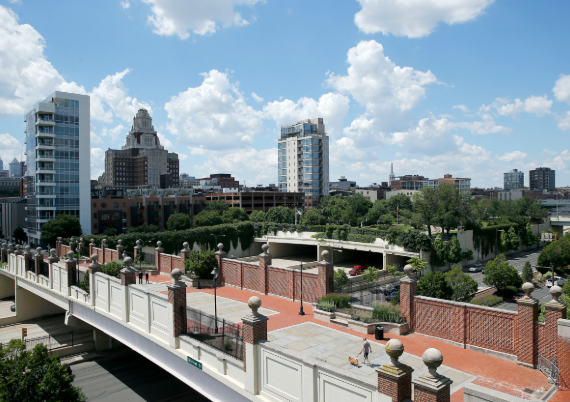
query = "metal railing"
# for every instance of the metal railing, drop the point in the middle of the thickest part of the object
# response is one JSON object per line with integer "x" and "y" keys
{"x": 58, "y": 341}
{"x": 229, "y": 336}
{"x": 44, "y": 268}
{"x": 32, "y": 264}
{"x": 549, "y": 369}
{"x": 360, "y": 284}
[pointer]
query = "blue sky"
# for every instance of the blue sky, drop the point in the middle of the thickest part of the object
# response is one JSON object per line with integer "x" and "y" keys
{"x": 468, "y": 87}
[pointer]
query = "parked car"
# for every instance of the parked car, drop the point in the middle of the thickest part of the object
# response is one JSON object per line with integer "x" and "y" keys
{"x": 357, "y": 270}
{"x": 388, "y": 289}
{"x": 391, "y": 296}
{"x": 476, "y": 268}
{"x": 518, "y": 296}
{"x": 557, "y": 280}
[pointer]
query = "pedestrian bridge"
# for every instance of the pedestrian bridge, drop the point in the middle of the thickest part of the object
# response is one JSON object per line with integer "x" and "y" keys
{"x": 560, "y": 220}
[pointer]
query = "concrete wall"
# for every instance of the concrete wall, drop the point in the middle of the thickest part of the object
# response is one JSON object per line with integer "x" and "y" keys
{"x": 7, "y": 287}
{"x": 477, "y": 393}
{"x": 29, "y": 306}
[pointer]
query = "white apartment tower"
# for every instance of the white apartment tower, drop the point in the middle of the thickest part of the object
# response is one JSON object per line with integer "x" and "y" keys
{"x": 303, "y": 164}
{"x": 58, "y": 154}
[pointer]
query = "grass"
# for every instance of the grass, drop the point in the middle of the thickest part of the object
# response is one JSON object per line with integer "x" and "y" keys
{"x": 340, "y": 300}
{"x": 326, "y": 305}
{"x": 387, "y": 312}
{"x": 488, "y": 301}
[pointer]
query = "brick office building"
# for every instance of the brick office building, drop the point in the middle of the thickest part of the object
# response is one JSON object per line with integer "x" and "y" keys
{"x": 260, "y": 200}
{"x": 542, "y": 178}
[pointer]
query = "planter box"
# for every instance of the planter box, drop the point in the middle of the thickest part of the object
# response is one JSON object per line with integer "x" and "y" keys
{"x": 323, "y": 315}
{"x": 368, "y": 328}
{"x": 193, "y": 282}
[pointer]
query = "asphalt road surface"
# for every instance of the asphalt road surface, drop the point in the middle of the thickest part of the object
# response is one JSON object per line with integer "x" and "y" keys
{"x": 126, "y": 377}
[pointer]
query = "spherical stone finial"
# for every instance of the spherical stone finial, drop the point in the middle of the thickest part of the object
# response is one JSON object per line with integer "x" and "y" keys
{"x": 432, "y": 359}
{"x": 394, "y": 349}
{"x": 94, "y": 257}
{"x": 556, "y": 292}
{"x": 39, "y": 250}
{"x": 408, "y": 270}
{"x": 176, "y": 274}
{"x": 254, "y": 303}
{"x": 138, "y": 242}
{"x": 528, "y": 288}
{"x": 120, "y": 242}
{"x": 18, "y": 247}
{"x": 104, "y": 241}
{"x": 185, "y": 245}
{"x": 81, "y": 240}
{"x": 159, "y": 243}
{"x": 53, "y": 252}
{"x": 265, "y": 247}
{"x": 325, "y": 254}
{"x": 128, "y": 261}
{"x": 27, "y": 248}
{"x": 220, "y": 246}
{"x": 70, "y": 254}
{"x": 92, "y": 241}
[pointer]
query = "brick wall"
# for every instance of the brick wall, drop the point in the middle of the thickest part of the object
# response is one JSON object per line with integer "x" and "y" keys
{"x": 399, "y": 390}
{"x": 252, "y": 277}
{"x": 441, "y": 319}
{"x": 232, "y": 273}
{"x": 310, "y": 287}
{"x": 490, "y": 330}
{"x": 177, "y": 297}
{"x": 277, "y": 282}
{"x": 563, "y": 358}
{"x": 108, "y": 255}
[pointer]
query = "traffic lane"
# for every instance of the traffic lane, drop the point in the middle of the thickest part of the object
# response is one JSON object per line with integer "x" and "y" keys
{"x": 517, "y": 262}
{"x": 128, "y": 376}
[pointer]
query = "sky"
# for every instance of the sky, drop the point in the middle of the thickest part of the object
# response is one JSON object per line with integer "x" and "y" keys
{"x": 473, "y": 88}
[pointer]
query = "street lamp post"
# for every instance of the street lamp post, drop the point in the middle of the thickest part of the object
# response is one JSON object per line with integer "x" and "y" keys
{"x": 215, "y": 273}
{"x": 301, "y": 312}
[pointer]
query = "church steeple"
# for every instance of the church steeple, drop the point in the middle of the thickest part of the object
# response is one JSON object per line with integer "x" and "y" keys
{"x": 392, "y": 177}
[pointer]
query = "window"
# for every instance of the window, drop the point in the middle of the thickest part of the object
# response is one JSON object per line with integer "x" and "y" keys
{"x": 103, "y": 205}
{"x": 95, "y": 215}
{"x": 124, "y": 204}
{"x": 115, "y": 205}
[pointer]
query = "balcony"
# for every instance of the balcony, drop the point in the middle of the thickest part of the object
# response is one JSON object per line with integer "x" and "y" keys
{"x": 45, "y": 170}
{"x": 45, "y": 183}
{"x": 45, "y": 158}
{"x": 45, "y": 123}
{"x": 46, "y": 146}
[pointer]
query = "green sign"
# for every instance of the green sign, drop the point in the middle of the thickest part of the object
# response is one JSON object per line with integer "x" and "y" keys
{"x": 195, "y": 363}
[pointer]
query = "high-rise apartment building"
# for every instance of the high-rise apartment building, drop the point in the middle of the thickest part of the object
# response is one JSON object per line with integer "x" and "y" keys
{"x": 303, "y": 164}
{"x": 58, "y": 135}
{"x": 142, "y": 161}
{"x": 513, "y": 180}
{"x": 542, "y": 178}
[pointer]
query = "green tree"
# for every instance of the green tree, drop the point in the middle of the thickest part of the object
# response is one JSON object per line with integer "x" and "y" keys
{"x": 218, "y": 206}
{"x": 235, "y": 214}
{"x": 419, "y": 264}
{"x": 35, "y": 376}
{"x": 514, "y": 242}
{"x": 504, "y": 242}
{"x": 464, "y": 287}
{"x": 392, "y": 270}
{"x": 426, "y": 205}
{"x": 110, "y": 232}
{"x": 435, "y": 284}
{"x": 359, "y": 205}
{"x": 62, "y": 226}
{"x": 454, "y": 251}
{"x": 179, "y": 222}
{"x": 340, "y": 279}
{"x": 20, "y": 235}
{"x": 370, "y": 274}
{"x": 378, "y": 209}
{"x": 280, "y": 215}
{"x": 527, "y": 237}
{"x": 481, "y": 209}
{"x": 201, "y": 263}
{"x": 526, "y": 273}
{"x": 387, "y": 219}
{"x": 400, "y": 201}
{"x": 467, "y": 255}
{"x": 439, "y": 252}
{"x": 207, "y": 218}
{"x": 144, "y": 228}
{"x": 333, "y": 208}
{"x": 500, "y": 274}
{"x": 257, "y": 216}
{"x": 449, "y": 206}
{"x": 313, "y": 217}
{"x": 556, "y": 253}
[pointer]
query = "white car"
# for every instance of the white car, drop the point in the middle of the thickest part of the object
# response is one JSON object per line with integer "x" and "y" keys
{"x": 476, "y": 268}
{"x": 557, "y": 280}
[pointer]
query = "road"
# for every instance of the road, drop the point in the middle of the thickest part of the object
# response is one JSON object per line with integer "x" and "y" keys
{"x": 518, "y": 261}
{"x": 128, "y": 377}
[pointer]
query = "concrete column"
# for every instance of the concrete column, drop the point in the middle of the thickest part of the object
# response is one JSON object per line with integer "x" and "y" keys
{"x": 395, "y": 378}
{"x": 120, "y": 249}
{"x": 102, "y": 340}
{"x": 157, "y": 252}
{"x": 326, "y": 275}
{"x": 38, "y": 260}
{"x": 254, "y": 331}
{"x": 525, "y": 336}
{"x": 220, "y": 255}
{"x": 128, "y": 273}
{"x": 91, "y": 246}
{"x": 432, "y": 386}
{"x": 71, "y": 269}
{"x": 27, "y": 257}
{"x": 177, "y": 297}
{"x": 94, "y": 267}
{"x": 264, "y": 262}
{"x": 563, "y": 354}
{"x": 408, "y": 289}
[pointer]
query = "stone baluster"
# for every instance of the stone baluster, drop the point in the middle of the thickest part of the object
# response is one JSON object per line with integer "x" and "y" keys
{"x": 395, "y": 378}
{"x": 121, "y": 249}
{"x": 432, "y": 386}
{"x": 128, "y": 273}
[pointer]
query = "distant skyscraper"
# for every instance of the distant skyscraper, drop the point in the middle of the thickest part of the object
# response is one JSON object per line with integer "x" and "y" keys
{"x": 513, "y": 180}
{"x": 58, "y": 152}
{"x": 1, "y": 164}
{"x": 14, "y": 168}
{"x": 542, "y": 178}
{"x": 303, "y": 164}
{"x": 392, "y": 176}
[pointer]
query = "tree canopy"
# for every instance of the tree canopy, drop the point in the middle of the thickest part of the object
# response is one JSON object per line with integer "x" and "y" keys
{"x": 207, "y": 218}
{"x": 464, "y": 287}
{"x": 234, "y": 214}
{"x": 280, "y": 215}
{"x": 20, "y": 235}
{"x": 435, "y": 284}
{"x": 178, "y": 222}
{"x": 218, "y": 206}
{"x": 556, "y": 253}
{"x": 201, "y": 263}
{"x": 61, "y": 226}
{"x": 500, "y": 274}
{"x": 144, "y": 228}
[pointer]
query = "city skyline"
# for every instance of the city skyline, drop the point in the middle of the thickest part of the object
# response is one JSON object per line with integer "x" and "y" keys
{"x": 470, "y": 90}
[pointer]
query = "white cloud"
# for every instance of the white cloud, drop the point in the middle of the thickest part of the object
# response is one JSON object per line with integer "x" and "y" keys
{"x": 125, "y": 4}
{"x": 429, "y": 137}
{"x": 562, "y": 89}
{"x": 484, "y": 127}
{"x": 514, "y": 156}
{"x": 539, "y": 105}
{"x": 564, "y": 122}
{"x": 166, "y": 143}
{"x": 256, "y": 97}
{"x": 332, "y": 107}
{"x": 378, "y": 83}
{"x": 106, "y": 136}
{"x": 180, "y": 17}
{"x": 10, "y": 148}
{"x": 560, "y": 162}
{"x": 463, "y": 108}
{"x": 415, "y": 18}
{"x": 214, "y": 114}
{"x": 97, "y": 163}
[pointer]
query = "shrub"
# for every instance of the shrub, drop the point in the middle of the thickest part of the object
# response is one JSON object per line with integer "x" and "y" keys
{"x": 488, "y": 301}
{"x": 387, "y": 312}
{"x": 340, "y": 300}
{"x": 396, "y": 300}
{"x": 326, "y": 305}
{"x": 508, "y": 291}
{"x": 340, "y": 279}
{"x": 435, "y": 284}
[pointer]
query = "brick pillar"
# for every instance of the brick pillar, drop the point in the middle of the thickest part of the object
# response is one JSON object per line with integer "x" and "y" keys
{"x": 94, "y": 267}
{"x": 57, "y": 244}
{"x": 18, "y": 250}
{"x": 524, "y": 329}
{"x": 128, "y": 273}
{"x": 38, "y": 260}
{"x": 53, "y": 258}
{"x": 120, "y": 250}
{"x": 72, "y": 245}
{"x": 554, "y": 310}
{"x": 432, "y": 386}
{"x": 103, "y": 247}
{"x": 408, "y": 289}
{"x": 264, "y": 262}
{"x": 10, "y": 251}
{"x": 395, "y": 378}
{"x": 27, "y": 257}
{"x": 563, "y": 354}
{"x": 80, "y": 247}
{"x": 71, "y": 267}
{"x": 254, "y": 326}
{"x": 220, "y": 255}
{"x": 91, "y": 246}
{"x": 326, "y": 273}
{"x": 157, "y": 252}
{"x": 177, "y": 297}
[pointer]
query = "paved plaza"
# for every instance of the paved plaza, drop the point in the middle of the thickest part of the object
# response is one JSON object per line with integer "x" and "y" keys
{"x": 335, "y": 347}
{"x": 228, "y": 309}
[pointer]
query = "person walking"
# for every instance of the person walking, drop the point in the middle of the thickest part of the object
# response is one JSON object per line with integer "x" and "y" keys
{"x": 140, "y": 277}
{"x": 366, "y": 349}
{"x": 146, "y": 275}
